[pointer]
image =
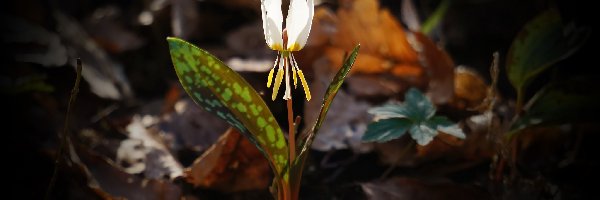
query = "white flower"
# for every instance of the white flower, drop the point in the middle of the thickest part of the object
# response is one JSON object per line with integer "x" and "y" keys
{"x": 285, "y": 41}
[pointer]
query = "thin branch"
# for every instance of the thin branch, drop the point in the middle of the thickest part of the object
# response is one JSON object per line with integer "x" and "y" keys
{"x": 64, "y": 135}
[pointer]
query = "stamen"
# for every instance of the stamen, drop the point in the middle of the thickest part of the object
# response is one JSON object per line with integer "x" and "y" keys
{"x": 270, "y": 78}
{"x": 277, "y": 80}
{"x": 304, "y": 84}
{"x": 294, "y": 67}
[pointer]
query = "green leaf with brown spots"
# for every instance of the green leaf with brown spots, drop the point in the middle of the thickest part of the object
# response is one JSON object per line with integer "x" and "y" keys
{"x": 221, "y": 91}
{"x": 305, "y": 143}
{"x": 543, "y": 41}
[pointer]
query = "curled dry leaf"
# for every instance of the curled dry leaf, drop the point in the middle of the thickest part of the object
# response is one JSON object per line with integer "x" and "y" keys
{"x": 386, "y": 48}
{"x": 439, "y": 67}
{"x": 107, "y": 181}
{"x": 184, "y": 18}
{"x": 469, "y": 87}
{"x": 105, "y": 76}
{"x": 158, "y": 160}
{"x": 194, "y": 127}
{"x": 231, "y": 164}
{"x": 383, "y": 41}
{"x": 106, "y": 27}
{"x": 23, "y": 34}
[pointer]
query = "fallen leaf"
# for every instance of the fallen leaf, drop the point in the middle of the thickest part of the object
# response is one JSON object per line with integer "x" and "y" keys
{"x": 32, "y": 42}
{"x": 383, "y": 41}
{"x": 232, "y": 164}
{"x": 105, "y": 76}
{"x": 469, "y": 88}
{"x": 439, "y": 67}
{"x": 157, "y": 159}
{"x": 184, "y": 18}
{"x": 106, "y": 28}
{"x": 388, "y": 49}
{"x": 109, "y": 182}
{"x": 194, "y": 128}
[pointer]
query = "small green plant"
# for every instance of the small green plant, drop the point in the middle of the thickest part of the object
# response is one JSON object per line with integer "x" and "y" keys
{"x": 220, "y": 90}
{"x": 223, "y": 92}
{"x": 416, "y": 116}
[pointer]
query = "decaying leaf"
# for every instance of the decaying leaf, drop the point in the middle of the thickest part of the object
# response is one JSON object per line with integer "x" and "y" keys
{"x": 231, "y": 164}
{"x": 47, "y": 48}
{"x": 469, "y": 88}
{"x": 400, "y": 188}
{"x": 107, "y": 181}
{"x": 106, "y": 28}
{"x": 184, "y": 18}
{"x": 194, "y": 128}
{"x": 439, "y": 67}
{"x": 143, "y": 146}
{"x": 384, "y": 43}
{"x": 390, "y": 50}
{"x": 105, "y": 76}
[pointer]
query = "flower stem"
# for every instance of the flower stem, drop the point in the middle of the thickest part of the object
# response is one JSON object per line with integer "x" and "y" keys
{"x": 292, "y": 135}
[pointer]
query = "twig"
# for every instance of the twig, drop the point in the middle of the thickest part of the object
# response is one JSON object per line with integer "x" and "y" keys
{"x": 64, "y": 135}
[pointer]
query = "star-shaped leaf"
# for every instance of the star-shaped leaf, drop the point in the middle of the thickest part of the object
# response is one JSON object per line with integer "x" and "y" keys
{"x": 415, "y": 115}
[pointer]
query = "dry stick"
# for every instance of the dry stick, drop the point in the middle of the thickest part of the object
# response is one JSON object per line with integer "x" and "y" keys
{"x": 400, "y": 156}
{"x": 64, "y": 134}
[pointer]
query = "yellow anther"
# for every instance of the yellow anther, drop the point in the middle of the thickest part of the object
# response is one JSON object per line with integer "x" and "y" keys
{"x": 304, "y": 84}
{"x": 294, "y": 75}
{"x": 277, "y": 83}
{"x": 270, "y": 79}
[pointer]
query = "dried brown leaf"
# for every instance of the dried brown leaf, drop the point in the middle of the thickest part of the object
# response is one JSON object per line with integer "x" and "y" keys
{"x": 231, "y": 164}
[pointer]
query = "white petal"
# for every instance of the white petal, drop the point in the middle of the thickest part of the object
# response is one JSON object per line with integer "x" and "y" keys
{"x": 298, "y": 23}
{"x": 272, "y": 23}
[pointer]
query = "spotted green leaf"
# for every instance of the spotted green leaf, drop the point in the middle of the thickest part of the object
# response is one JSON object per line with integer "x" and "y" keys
{"x": 223, "y": 92}
{"x": 541, "y": 43}
{"x": 334, "y": 86}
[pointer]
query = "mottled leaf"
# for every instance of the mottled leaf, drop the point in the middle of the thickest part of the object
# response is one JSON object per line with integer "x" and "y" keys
{"x": 540, "y": 44}
{"x": 223, "y": 92}
{"x": 334, "y": 86}
{"x": 386, "y": 129}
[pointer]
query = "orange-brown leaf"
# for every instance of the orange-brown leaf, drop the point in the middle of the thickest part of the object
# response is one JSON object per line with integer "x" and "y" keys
{"x": 231, "y": 164}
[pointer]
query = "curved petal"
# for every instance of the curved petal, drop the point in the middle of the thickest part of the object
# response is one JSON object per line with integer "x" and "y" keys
{"x": 272, "y": 23}
{"x": 298, "y": 23}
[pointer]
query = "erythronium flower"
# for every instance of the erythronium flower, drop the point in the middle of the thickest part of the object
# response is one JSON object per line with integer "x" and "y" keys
{"x": 285, "y": 41}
